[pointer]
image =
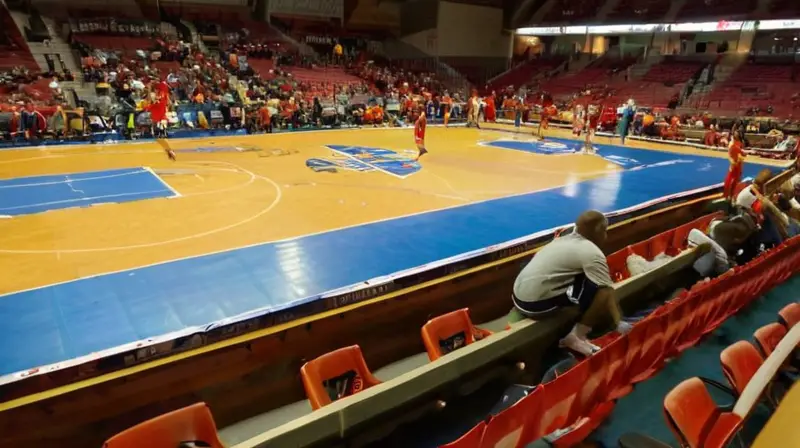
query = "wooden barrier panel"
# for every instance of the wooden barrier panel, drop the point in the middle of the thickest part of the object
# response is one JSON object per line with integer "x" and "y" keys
{"x": 344, "y": 416}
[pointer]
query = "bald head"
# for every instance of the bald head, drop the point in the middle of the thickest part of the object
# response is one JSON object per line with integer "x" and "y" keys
{"x": 592, "y": 225}
{"x": 762, "y": 178}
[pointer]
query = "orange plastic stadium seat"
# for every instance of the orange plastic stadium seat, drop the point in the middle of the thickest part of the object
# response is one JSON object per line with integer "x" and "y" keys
{"x": 449, "y": 332}
{"x": 740, "y": 362}
{"x": 618, "y": 265}
{"x": 662, "y": 244}
{"x": 516, "y": 426}
{"x": 695, "y": 419}
{"x": 472, "y": 439}
{"x": 768, "y": 337}
{"x": 590, "y": 408}
{"x": 336, "y": 375}
{"x": 790, "y": 314}
{"x": 191, "y": 424}
{"x": 559, "y": 396}
{"x": 649, "y": 358}
{"x": 617, "y": 375}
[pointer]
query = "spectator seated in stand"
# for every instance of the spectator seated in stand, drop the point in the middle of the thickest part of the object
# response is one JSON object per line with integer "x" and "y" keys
{"x": 571, "y": 271}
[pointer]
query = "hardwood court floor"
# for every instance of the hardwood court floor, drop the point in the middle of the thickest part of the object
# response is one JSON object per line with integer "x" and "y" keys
{"x": 262, "y": 192}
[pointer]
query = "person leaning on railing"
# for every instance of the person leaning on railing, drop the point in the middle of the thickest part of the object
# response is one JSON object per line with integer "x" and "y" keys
{"x": 572, "y": 271}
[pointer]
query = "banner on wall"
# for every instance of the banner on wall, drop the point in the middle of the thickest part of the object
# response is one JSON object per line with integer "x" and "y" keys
{"x": 308, "y": 8}
{"x": 114, "y": 26}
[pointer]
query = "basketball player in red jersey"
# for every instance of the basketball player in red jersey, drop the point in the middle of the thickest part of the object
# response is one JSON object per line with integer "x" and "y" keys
{"x": 158, "y": 116}
{"x": 419, "y": 135}
{"x": 736, "y": 157}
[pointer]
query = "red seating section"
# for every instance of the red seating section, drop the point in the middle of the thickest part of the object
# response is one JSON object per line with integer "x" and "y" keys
{"x": 581, "y": 398}
{"x": 524, "y": 73}
{"x": 125, "y": 44}
{"x": 768, "y": 336}
{"x": 695, "y": 419}
{"x": 790, "y": 314}
{"x": 333, "y": 365}
{"x": 671, "y": 242}
{"x": 515, "y": 425}
{"x": 740, "y": 362}
{"x": 471, "y": 439}
{"x": 447, "y": 326}
{"x": 191, "y": 424}
{"x": 771, "y": 82}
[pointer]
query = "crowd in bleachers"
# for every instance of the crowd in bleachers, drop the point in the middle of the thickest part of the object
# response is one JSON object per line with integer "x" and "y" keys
{"x": 246, "y": 83}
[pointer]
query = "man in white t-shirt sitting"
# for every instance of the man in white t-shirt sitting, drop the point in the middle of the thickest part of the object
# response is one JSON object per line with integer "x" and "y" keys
{"x": 571, "y": 271}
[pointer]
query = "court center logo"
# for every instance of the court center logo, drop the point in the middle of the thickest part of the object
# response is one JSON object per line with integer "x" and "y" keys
{"x": 363, "y": 158}
{"x": 546, "y": 147}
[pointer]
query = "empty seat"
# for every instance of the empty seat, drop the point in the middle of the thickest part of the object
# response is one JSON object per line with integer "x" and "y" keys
{"x": 695, "y": 419}
{"x": 617, "y": 383}
{"x": 517, "y": 425}
{"x": 768, "y": 336}
{"x": 559, "y": 397}
{"x": 191, "y": 424}
{"x": 590, "y": 407}
{"x": 472, "y": 439}
{"x": 648, "y": 359}
{"x": 448, "y": 332}
{"x": 336, "y": 375}
{"x": 740, "y": 362}
{"x": 790, "y": 315}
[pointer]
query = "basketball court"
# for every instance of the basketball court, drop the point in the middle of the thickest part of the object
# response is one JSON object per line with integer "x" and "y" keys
{"x": 104, "y": 246}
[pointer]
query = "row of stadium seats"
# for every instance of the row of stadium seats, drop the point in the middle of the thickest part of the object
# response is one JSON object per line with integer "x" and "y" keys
{"x": 575, "y": 402}
{"x": 671, "y": 243}
{"x": 546, "y": 406}
{"x": 690, "y": 411}
{"x": 524, "y": 73}
{"x": 757, "y": 85}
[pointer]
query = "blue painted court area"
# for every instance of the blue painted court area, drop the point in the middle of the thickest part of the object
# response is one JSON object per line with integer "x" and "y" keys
{"x": 68, "y": 320}
{"x": 36, "y": 194}
{"x": 538, "y": 147}
{"x": 384, "y": 160}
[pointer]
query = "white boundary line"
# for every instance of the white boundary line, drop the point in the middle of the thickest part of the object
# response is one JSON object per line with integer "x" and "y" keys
{"x": 175, "y": 192}
{"x": 253, "y": 177}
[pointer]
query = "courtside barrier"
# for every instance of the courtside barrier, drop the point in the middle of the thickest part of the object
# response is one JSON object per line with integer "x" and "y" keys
{"x": 585, "y": 394}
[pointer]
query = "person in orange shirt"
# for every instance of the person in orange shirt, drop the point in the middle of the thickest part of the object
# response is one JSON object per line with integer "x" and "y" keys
{"x": 490, "y": 113}
{"x": 419, "y": 135}
{"x": 736, "y": 157}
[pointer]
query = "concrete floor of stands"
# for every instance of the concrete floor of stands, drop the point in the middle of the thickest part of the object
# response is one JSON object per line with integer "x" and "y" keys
{"x": 642, "y": 410}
